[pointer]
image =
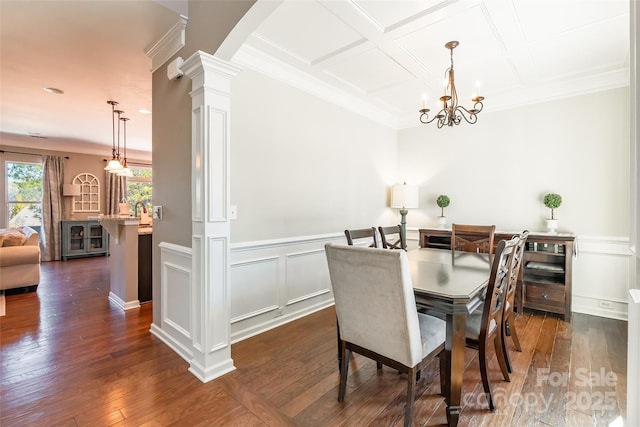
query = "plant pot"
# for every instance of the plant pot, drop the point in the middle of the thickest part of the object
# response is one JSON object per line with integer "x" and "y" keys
{"x": 442, "y": 221}
{"x": 552, "y": 225}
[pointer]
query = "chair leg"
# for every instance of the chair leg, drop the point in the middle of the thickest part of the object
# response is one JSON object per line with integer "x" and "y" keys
{"x": 514, "y": 333}
{"x": 411, "y": 392}
{"x": 344, "y": 371}
{"x": 505, "y": 352}
{"x": 500, "y": 355}
{"x": 482, "y": 358}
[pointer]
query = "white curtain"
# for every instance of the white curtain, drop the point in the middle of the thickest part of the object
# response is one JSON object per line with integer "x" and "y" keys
{"x": 116, "y": 192}
{"x": 51, "y": 206}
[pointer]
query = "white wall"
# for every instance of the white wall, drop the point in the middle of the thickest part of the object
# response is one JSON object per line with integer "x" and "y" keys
{"x": 577, "y": 147}
{"x": 497, "y": 171}
{"x": 302, "y": 166}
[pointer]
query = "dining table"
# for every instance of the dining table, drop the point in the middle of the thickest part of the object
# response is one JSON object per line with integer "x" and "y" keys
{"x": 451, "y": 286}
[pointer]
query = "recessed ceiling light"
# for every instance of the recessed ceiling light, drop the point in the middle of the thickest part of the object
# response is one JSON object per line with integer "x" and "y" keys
{"x": 54, "y": 90}
{"x": 144, "y": 111}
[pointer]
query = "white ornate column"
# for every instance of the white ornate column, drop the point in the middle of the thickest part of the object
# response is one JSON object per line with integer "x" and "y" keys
{"x": 210, "y": 315}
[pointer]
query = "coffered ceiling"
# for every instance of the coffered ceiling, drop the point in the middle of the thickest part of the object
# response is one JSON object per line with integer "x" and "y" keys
{"x": 391, "y": 54}
{"x": 376, "y": 57}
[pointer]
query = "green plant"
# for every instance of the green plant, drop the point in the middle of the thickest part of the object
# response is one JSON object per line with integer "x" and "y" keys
{"x": 443, "y": 201}
{"x": 552, "y": 201}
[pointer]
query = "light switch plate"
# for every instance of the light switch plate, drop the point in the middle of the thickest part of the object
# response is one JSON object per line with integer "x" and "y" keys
{"x": 233, "y": 212}
{"x": 157, "y": 212}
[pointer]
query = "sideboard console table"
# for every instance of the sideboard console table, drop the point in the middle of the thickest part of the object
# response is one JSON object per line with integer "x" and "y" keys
{"x": 545, "y": 278}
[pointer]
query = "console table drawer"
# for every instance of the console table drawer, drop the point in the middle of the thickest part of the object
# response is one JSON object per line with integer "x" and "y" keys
{"x": 541, "y": 295}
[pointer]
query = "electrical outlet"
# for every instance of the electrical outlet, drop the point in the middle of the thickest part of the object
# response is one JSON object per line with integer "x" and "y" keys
{"x": 278, "y": 313}
{"x": 157, "y": 212}
{"x": 605, "y": 304}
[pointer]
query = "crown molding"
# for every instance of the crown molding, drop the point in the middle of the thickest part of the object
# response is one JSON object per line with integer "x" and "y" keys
{"x": 250, "y": 58}
{"x": 168, "y": 45}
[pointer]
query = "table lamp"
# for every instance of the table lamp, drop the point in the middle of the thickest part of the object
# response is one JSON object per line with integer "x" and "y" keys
{"x": 71, "y": 190}
{"x": 404, "y": 197}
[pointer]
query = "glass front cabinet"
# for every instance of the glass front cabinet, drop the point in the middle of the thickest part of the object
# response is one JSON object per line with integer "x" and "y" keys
{"x": 83, "y": 239}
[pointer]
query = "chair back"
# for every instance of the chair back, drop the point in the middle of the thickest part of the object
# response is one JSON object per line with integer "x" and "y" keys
{"x": 472, "y": 238}
{"x": 499, "y": 278}
{"x": 518, "y": 254}
{"x": 374, "y": 301}
{"x": 392, "y": 237}
{"x": 362, "y": 233}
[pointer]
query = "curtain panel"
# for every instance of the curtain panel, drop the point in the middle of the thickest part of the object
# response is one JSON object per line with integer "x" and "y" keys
{"x": 51, "y": 207}
{"x": 116, "y": 192}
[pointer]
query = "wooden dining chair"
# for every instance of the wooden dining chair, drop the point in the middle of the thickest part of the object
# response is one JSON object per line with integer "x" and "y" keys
{"x": 473, "y": 238}
{"x": 508, "y": 324}
{"x": 382, "y": 325}
{"x": 484, "y": 324}
{"x": 362, "y": 233}
{"x": 392, "y": 237}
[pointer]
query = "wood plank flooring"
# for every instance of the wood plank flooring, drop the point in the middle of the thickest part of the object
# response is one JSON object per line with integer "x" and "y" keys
{"x": 70, "y": 358}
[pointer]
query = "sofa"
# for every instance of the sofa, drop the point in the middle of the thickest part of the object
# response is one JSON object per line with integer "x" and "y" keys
{"x": 19, "y": 259}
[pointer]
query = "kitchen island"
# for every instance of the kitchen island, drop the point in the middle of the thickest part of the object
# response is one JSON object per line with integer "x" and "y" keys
{"x": 124, "y": 233}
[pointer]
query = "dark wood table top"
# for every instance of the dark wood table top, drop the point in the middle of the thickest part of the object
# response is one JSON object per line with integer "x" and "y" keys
{"x": 450, "y": 279}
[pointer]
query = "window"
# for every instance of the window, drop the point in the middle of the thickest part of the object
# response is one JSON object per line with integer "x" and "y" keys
{"x": 24, "y": 194}
{"x": 139, "y": 188}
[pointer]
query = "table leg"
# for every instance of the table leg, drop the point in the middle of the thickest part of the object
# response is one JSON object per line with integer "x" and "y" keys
{"x": 454, "y": 354}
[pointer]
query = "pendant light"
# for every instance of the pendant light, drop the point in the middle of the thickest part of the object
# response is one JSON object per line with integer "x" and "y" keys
{"x": 125, "y": 171}
{"x": 114, "y": 164}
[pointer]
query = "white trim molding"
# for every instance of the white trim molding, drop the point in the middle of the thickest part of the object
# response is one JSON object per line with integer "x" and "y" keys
{"x": 168, "y": 45}
{"x": 601, "y": 276}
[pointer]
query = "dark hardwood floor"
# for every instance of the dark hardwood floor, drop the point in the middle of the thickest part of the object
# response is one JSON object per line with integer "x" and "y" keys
{"x": 70, "y": 358}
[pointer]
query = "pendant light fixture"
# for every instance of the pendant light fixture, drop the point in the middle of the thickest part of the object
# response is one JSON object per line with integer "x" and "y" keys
{"x": 114, "y": 164}
{"x": 125, "y": 171}
{"x": 450, "y": 112}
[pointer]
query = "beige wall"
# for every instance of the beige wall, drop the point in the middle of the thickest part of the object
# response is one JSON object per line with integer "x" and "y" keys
{"x": 498, "y": 170}
{"x": 75, "y": 164}
{"x": 208, "y": 25}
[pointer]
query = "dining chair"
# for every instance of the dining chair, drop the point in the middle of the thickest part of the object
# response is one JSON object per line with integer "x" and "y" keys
{"x": 508, "y": 324}
{"x": 473, "y": 238}
{"x": 362, "y": 233}
{"x": 392, "y": 237}
{"x": 485, "y": 323}
{"x": 355, "y": 236}
{"x": 382, "y": 325}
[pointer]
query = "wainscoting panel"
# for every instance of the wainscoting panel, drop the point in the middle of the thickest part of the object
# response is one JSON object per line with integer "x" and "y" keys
{"x": 255, "y": 287}
{"x": 175, "y": 328}
{"x": 277, "y": 281}
{"x": 601, "y": 276}
{"x": 300, "y": 284}
{"x": 177, "y": 295}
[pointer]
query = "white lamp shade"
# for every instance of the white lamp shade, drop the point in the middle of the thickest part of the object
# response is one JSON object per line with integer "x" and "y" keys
{"x": 113, "y": 166}
{"x": 71, "y": 189}
{"x": 404, "y": 196}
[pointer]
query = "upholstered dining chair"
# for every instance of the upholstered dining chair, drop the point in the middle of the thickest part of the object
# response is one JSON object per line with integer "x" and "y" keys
{"x": 392, "y": 237}
{"x": 382, "y": 325}
{"x": 354, "y": 237}
{"x": 508, "y": 324}
{"x": 362, "y": 233}
{"x": 473, "y": 238}
{"x": 484, "y": 324}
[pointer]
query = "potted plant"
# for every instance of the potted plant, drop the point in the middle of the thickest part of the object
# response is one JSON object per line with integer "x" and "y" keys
{"x": 442, "y": 201}
{"x": 552, "y": 201}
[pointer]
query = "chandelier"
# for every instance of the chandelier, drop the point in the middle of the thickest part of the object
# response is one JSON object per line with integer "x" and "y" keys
{"x": 451, "y": 113}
